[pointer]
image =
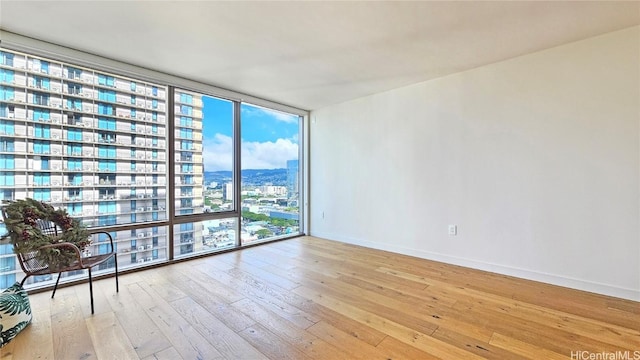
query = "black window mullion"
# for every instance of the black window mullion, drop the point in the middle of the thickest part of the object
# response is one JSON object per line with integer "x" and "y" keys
{"x": 237, "y": 169}
{"x": 171, "y": 180}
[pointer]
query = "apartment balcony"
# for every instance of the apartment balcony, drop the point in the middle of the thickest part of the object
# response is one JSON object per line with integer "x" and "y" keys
{"x": 74, "y": 76}
{"x": 142, "y": 209}
{"x": 143, "y": 248}
{"x": 146, "y": 196}
{"x": 41, "y": 102}
{"x": 40, "y": 87}
{"x": 102, "y": 213}
{"x": 185, "y": 183}
{"x": 196, "y": 205}
{"x": 73, "y": 91}
{"x": 40, "y": 184}
{"x": 12, "y": 83}
{"x": 75, "y": 122}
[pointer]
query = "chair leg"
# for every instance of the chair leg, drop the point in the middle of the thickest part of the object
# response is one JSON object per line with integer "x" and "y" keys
{"x": 91, "y": 290}
{"x": 23, "y": 281}
{"x": 56, "y": 287}
{"x": 115, "y": 259}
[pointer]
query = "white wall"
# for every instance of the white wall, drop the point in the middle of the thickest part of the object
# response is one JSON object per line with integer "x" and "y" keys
{"x": 536, "y": 159}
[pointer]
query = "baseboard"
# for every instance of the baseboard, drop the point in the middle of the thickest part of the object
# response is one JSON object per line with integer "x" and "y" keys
{"x": 579, "y": 284}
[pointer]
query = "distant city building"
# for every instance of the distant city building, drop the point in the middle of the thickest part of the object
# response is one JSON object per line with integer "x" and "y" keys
{"x": 271, "y": 190}
{"x": 292, "y": 181}
{"x": 255, "y": 192}
{"x": 254, "y": 208}
{"x": 227, "y": 191}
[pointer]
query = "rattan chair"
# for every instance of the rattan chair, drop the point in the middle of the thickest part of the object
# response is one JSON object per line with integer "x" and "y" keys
{"x": 33, "y": 267}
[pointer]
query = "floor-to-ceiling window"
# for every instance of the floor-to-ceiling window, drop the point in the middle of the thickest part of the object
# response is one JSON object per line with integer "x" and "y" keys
{"x": 270, "y": 154}
{"x": 170, "y": 172}
{"x": 203, "y": 167}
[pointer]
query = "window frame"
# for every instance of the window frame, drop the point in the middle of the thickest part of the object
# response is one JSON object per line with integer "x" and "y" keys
{"x": 77, "y": 60}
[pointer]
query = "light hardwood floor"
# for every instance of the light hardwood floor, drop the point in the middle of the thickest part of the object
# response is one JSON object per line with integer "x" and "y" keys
{"x": 308, "y": 298}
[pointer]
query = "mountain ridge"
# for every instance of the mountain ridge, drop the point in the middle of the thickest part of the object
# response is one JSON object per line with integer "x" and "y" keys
{"x": 256, "y": 177}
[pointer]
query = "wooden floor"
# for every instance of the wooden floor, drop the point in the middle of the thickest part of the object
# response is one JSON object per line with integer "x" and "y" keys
{"x": 308, "y": 298}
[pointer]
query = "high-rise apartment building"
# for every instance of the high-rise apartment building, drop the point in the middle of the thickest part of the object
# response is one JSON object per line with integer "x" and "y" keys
{"x": 292, "y": 182}
{"x": 227, "y": 191}
{"x": 95, "y": 144}
{"x": 188, "y": 169}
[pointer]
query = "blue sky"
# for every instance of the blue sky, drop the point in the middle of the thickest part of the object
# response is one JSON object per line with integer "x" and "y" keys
{"x": 269, "y": 138}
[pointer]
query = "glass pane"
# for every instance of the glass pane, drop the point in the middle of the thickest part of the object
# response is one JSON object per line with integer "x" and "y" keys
{"x": 205, "y": 236}
{"x": 9, "y": 267}
{"x": 270, "y": 157}
{"x": 203, "y": 152}
{"x": 142, "y": 246}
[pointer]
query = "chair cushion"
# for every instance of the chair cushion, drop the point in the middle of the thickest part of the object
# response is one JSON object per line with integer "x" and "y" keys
{"x": 15, "y": 312}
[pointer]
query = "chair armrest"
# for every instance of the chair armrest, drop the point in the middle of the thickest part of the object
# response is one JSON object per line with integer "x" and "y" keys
{"x": 108, "y": 235}
{"x": 63, "y": 245}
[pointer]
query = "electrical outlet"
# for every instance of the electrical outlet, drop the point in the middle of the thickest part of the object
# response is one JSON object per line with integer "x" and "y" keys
{"x": 453, "y": 230}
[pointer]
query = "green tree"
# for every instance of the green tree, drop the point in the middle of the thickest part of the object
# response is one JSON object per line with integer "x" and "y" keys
{"x": 254, "y": 217}
{"x": 263, "y": 233}
{"x": 283, "y": 222}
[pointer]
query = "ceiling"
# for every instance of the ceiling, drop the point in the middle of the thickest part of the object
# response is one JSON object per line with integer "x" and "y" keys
{"x": 312, "y": 54}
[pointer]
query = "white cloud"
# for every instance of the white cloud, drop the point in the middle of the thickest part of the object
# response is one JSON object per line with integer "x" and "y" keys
{"x": 218, "y": 153}
{"x": 277, "y": 115}
{"x": 268, "y": 155}
{"x": 288, "y": 118}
